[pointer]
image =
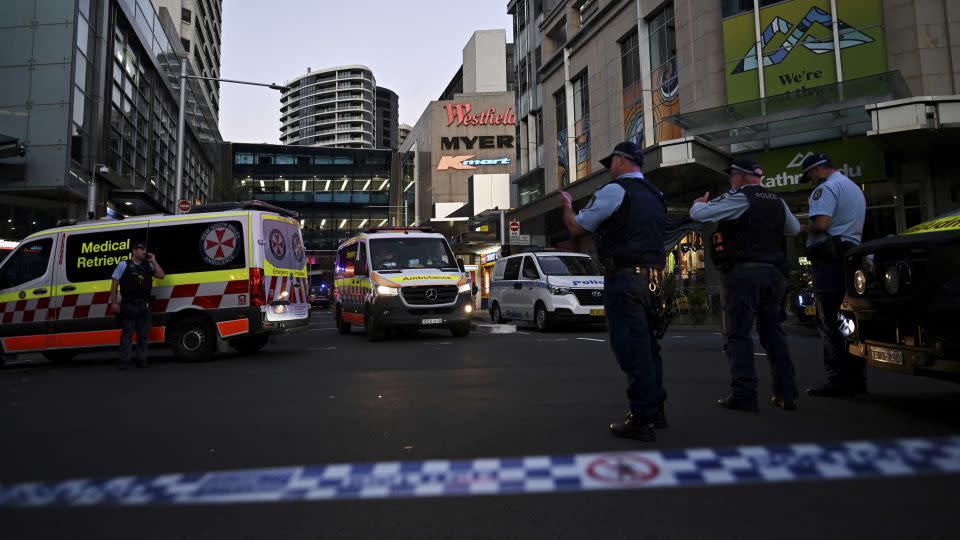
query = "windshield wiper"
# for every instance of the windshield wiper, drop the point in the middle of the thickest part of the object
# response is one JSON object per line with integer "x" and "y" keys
{"x": 445, "y": 268}
{"x": 389, "y": 271}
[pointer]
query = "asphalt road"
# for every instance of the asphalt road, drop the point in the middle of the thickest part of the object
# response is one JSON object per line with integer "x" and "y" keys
{"x": 318, "y": 397}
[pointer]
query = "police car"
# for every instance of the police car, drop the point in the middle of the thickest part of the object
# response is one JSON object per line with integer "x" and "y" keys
{"x": 401, "y": 278}
{"x": 900, "y": 310}
{"x": 235, "y": 274}
{"x": 546, "y": 288}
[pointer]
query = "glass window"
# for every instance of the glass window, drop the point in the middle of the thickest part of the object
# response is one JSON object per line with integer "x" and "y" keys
{"x": 512, "y": 270}
{"x": 264, "y": 159}
{"x": 730, "y": 8}
{"x": 28, "y": 263}
{"x": 569, "y": 266}
{"x": 343, "y": 160}
{"x": 630, "y": 59}
{"x": 530, "y": 269}
{"x": 243, "y": 159}
{"x": 186, "y": 16}
{"x": 282, "y": 159}
{"x": 411, "y": 253}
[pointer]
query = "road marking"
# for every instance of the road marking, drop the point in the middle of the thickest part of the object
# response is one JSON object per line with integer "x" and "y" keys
{"x": 678, "y": 337}
{"x": 551, "y": 340}
{"x": 522, "y": 333}
{"x": 695, "y": 467}
{"x": 321, "y": 348}
{"x": 759, "y": 354}
{"x": 591, "y": 339}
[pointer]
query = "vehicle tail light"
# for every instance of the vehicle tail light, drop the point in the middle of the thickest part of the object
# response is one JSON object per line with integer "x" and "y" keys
{"x": 258, "y": 295}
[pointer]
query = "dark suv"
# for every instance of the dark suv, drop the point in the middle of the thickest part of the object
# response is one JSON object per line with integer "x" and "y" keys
{"x": 319, "y": 296}
{"x": 903, "y": 300}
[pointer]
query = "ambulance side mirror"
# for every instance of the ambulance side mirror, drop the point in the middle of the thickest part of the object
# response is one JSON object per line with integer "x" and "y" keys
{"x": 461, "y": 265}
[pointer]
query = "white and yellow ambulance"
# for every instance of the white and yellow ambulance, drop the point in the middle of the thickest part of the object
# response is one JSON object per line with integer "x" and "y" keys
{"x": 235, "y": 274}
{"x": 401, "y": 278}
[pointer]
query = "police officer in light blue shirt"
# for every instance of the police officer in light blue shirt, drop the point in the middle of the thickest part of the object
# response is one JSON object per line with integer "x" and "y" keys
{"x": 627, "y": 218}
{"x": 837, "y": 212}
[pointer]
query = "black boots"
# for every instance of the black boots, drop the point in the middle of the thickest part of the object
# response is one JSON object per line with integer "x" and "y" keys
{"x": 634, "y": 428}
{"x": 737, "y": 404}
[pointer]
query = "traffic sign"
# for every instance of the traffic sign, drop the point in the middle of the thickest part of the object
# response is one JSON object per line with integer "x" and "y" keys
{"x": 515, "y": 227}
{"x": 184, "y": 206}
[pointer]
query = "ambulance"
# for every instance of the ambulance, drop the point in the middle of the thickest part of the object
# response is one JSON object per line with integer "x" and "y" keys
{"x": 235, "y": 275}
{"x": 401, "y": 278}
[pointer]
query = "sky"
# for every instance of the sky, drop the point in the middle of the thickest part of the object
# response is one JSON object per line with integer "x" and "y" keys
{"x": 413, "y": 47}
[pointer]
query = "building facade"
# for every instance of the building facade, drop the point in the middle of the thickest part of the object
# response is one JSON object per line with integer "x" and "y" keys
{"x": 334, "y": 107}
{"x": 697, "y": 83}
{"x": 388, "y": 119}
{"x": 337, "y": 191}
{"x": 91, "y": 90}
{"x": 199, "y": 23}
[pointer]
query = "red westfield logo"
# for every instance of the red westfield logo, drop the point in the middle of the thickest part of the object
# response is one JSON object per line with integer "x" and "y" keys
{"x": 460, "y": 114}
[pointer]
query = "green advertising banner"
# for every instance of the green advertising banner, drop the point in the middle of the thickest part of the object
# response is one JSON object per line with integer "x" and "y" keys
{"x": 796, "y": 39}
{"x": 860, "y": 159}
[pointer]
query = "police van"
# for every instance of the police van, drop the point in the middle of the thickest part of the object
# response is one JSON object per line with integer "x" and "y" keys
{"x": 547, "y": 288}
{"x": 400, "y": 278}
{"x": 235, "y": 274}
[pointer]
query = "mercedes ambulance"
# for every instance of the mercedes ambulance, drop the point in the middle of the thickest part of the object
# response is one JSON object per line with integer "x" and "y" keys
{"x": 547, "y": 287}
{"x": 235, "y": 274}
{"x": 401, "y": 278}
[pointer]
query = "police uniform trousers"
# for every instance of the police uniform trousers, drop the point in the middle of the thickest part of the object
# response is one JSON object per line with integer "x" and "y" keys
{"x": 628, "y": 303}
{"x": 844, "y": 370}
{"x": 756, "y": 291}
{"x": 135, "y": 316}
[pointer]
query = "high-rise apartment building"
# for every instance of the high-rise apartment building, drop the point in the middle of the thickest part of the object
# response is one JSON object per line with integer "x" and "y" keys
{"x": 334, "y": 107}
{"x": 388, "y": 119}
{"x": 198, "y": 22}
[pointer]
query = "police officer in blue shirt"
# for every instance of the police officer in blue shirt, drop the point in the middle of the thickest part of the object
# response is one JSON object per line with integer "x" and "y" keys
{"x": 134, "y": 280}
{"x": 837, "y": 212}
{"x": 627, "y": 218}
{"x": 748, "y": 250}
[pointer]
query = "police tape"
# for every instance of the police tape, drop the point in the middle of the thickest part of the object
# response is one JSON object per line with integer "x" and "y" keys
{"x": 505, "y": 476}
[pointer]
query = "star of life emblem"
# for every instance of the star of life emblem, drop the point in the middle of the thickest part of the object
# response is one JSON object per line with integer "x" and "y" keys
{"x": 218, "y": 244}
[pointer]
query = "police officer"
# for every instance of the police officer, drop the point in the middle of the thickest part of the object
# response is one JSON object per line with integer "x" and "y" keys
{"x": 837, "y": 212}
{"x": 627, "y": 218}
{"x": 134, "y": 278}
{"x": 748, "y": 250}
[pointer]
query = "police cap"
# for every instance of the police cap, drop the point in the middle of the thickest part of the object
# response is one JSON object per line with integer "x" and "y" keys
{"x": 627, "y": 149}
{"x": 812, "y": 161}
{"x": 139, "y": 245}
{"x": 747, "y": 166}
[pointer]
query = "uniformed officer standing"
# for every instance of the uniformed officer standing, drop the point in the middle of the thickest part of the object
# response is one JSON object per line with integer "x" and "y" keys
{"x": 134, "y": 278}
{"x": 837, "y": 212}
{"x": 748, "y": 250}
{"x": 627, "y": 218}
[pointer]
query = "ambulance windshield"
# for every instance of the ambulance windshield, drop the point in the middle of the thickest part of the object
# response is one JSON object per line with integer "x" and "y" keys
{"x": 411, "y": 254}
{"x": 569, "y": 266}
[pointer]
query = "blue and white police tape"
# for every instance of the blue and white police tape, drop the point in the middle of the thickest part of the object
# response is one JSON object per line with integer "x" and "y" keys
{"x": 503, "y": 476}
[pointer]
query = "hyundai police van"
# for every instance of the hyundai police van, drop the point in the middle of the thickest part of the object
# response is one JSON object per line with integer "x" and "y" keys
{"x": 235, "y": 274}
{"x": 401, "y": 278}
{"x": 546, "y": 288}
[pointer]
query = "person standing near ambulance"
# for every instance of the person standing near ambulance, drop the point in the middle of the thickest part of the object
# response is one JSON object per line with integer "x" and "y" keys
{"x": 134, "y": 279}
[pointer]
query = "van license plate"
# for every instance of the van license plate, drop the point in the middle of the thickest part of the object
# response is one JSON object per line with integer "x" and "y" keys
{"x": 887, "y": 356}
{"x": 426, "y": 322}
{"x": 596, "y": 313}
{"x": 812, "y": 310}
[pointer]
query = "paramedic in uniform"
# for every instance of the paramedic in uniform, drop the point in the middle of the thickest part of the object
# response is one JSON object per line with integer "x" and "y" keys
{"x": 837, "y": 212}
{"x": 627, "y": 218}
{"x": 134, "y": 278}
{"x": 748, "y": 250}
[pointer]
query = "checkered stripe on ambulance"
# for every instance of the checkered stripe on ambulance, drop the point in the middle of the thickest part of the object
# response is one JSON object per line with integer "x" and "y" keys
{"x": 285, "y": 269}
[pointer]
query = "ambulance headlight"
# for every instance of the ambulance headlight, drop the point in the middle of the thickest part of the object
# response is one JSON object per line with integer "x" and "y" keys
{"x": 383, "y": 290}
{"x": 559, "y": 290}
{"x": 464, "y": 288}
{"x": 860, "y": 282}
{"x": 891, "y": 280}
{"x": 848, "y": 326}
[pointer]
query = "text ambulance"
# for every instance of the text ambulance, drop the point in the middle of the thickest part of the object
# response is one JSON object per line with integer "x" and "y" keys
{"x": 235, "y": 274}
{"x": 401, "y": 278}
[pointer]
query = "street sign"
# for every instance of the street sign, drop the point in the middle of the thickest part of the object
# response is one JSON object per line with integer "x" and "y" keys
{"x": 520, "y": 239}
{"x": 184, "y": 206}
{"x": 514, "y": 229}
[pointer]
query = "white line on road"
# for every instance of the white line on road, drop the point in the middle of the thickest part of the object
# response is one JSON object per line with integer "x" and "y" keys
{"x": 522, "y": 333}
{"x": 591, "y": 339}
{"x": 321, "y": 348}
{"x": 758, "y": 354}
{"x": 552, "y": 340}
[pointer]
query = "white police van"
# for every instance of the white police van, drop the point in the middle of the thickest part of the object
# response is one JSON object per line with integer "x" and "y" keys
{"x": 546, "y": 288}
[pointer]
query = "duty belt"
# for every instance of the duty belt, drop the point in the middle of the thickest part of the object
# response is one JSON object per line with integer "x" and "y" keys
{"x": 652, "y": 274}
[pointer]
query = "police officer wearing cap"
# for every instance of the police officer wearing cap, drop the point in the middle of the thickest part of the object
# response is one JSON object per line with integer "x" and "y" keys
{"x": 134, "y": 279}
{"x": 748, "y": 250}
{"x": 837, "y": 212}
{"x": 627, "y": 218}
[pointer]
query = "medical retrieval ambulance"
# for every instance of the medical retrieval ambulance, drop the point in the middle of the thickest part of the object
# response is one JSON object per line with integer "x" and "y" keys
{"x": 401, "y": 278}
{"x": 546, "y": 288}
{"x": 235, "y": 274}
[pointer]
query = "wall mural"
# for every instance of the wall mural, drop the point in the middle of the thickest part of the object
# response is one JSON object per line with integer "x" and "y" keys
{"x": 562, "y": 161}
{"x": 666, "y": 101}
{"x": 633, "y": 113}
{"x": 582, "y": 142}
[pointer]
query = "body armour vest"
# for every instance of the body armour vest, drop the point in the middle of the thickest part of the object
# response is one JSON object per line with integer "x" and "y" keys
{"x": 136, "y": 283}
{"x": 634, "y": 234}
{"x": 755, "y": 236}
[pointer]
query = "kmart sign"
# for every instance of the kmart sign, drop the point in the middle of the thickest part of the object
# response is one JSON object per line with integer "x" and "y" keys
{"x": 859, "y": 159}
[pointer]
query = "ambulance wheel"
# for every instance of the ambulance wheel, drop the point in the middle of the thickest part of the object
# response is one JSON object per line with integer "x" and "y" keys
{"x": 342, "y": 327}
{"x": 542, "y": 318}
{"x": 250, "y": 344}
{"x": 59, "y": 357}
{"x": 460, "y": 330}
{"x": 374, "y": 332}
{"x": 193, "y": 340}
{"x": 495, "y": 314}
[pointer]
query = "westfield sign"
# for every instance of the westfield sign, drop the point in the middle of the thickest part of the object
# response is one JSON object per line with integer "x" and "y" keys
{"x": 462, "y": 114}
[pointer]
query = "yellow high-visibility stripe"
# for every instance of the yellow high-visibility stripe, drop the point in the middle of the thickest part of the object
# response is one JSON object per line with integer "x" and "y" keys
{"x": 132, "y": 224}
{"x": 948, "y": 223}
{"x": 14, "y": 296}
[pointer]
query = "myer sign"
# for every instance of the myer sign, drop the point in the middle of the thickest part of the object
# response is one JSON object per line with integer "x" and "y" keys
{"x": 858, "y": 158}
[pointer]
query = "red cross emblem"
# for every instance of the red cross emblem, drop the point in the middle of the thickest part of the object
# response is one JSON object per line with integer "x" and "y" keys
{"x": 277, "y": 244}
{"x": 297, "y": 248}
{"x": 219, "y": 243}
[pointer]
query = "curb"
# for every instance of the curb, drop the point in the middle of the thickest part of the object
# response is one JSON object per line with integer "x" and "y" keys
{"x": 490, "y": 328}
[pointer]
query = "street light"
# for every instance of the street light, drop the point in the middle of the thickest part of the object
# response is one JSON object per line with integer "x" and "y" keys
{"x": 181, "y": 119}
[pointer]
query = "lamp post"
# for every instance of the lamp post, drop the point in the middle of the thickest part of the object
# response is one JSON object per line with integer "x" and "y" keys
{"x": 181, "y": 118}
